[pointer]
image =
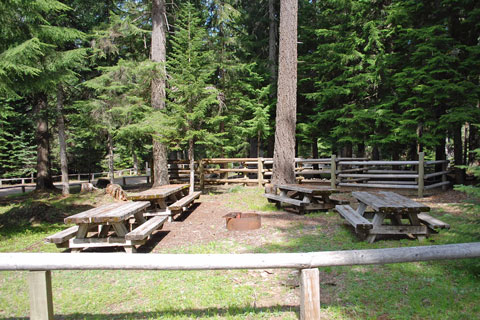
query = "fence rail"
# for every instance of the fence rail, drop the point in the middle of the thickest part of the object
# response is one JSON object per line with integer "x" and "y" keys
{"x": 40, "y": 266}
{"x": 417, "y": 175}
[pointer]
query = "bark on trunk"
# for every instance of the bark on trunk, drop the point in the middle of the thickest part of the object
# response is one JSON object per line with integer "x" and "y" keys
{"x": 160, "y": 163}
{"x": 272, "y": 41}
{"x": 44, "y": 178}
{"x": 286, "y": 114}
{"x": 361, "y": 150}
{"x": 458, "y": 155}
{"x": 375, "y": 153}
{"x": 192, "y": 166}
{"x": 315, "y": 153}
{"x": 111, "y": 172}
{"x": 62, "y": 142}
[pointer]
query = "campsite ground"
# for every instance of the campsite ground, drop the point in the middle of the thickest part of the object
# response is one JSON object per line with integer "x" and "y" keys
{"x": 427, "y": 290}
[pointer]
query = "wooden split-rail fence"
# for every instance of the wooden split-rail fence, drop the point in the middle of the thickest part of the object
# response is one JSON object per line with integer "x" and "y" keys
{"x": 40, "y": 266}
{"x": 417, "y": 175}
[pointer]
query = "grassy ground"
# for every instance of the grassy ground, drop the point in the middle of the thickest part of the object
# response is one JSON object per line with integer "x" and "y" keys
{"x": 427, "y": 290}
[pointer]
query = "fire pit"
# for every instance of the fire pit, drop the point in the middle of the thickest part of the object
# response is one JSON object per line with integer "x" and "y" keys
{"x": 242, "y": 221}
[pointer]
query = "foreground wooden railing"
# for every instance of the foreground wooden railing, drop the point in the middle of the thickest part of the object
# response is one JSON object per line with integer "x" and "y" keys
{"x": 40, "y": 266}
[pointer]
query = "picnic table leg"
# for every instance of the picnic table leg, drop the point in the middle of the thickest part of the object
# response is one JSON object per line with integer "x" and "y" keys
{"x": 103, "y": 232}
{"x": 121, "y": 231}
{"x": 377, "y": 222}
{"x": 139, "y": 219}
{"x": 361, "y": 208}
{"x": 416, "y": 222}
{"x": 81, "y": 234}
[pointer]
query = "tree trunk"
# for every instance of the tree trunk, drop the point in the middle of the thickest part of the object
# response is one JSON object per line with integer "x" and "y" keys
{"x": 62, "y": 142}
{"x": 286, "y": 114}
{"x": 160, "y": 163}
{"x": 315, "y": 153}
{"x": 361, "y": 150}
{"x": 44, "y": 178}
{"x": 272, "y": 41}
{"x": 440, "y": 154}
{"x": 111, "y": 171}
{"x": 458, "y": 155}
{"x": 375, "y": 153}
{"x": 192, "y": 166}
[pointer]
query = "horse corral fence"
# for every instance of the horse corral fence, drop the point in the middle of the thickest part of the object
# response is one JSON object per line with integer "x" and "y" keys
{"x": 40, "y": 266}
{"x": 417, "y": 175}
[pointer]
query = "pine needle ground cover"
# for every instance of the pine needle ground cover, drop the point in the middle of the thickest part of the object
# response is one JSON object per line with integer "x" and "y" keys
{"x": 426, "y": 290}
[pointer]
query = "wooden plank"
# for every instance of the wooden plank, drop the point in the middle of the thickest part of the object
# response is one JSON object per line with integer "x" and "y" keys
{"x": 146, "y": 229}
{"x": 102, "y": 242}
{"x": 309, "y": 294}
{"x": 157, "y": 192}
{"x": 436, "y": 174}
{"x": 311, "y": 190}
{"x": 185, "y": 201}
{"x": 432, "y": 222}
{"x": 62, "y": 236}
{"x": 436, "y": 162}
{"x": 117, "y": 261}
{"x": 377, "y": 185}
{"x": 298, "y": 203}
{"x": 393, "y": 182}
{"x": 367, "y": 175}
{"x": 404, "y": 201}
{"x": 436, "y": 185}
{"x": 373, "y": 201}
{"x": 421, "y": 172}
{"x": 356, "y": 220}
{"x": 392, "y": 171}
{"x": 371, "y": 163}
{"x": 391, "y": 230}
{"x": 40, "y": 292}
{"x": 110, "y": 214}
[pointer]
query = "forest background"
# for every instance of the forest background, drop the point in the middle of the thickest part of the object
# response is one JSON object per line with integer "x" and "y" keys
{"x": 383, "y": 79}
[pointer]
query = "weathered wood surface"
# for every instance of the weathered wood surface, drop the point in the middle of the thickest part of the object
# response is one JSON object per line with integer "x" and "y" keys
{"x": 312, "y": 190}
{"x": 146, "y": 228}
{"x": 355, "y": 219}
{"x": 432, "y": 222}
{"x": 114, "y": 212}
{"x": 309, "y": 294}
{"x": 157, "y": 192}
{"x": 389, "y": 202}
{"x": 371, "y": 163}
{"x": 436, "y": 185}
{"x": 399, "y": 229}
{"x": 389, "y": 176}
{"x": 278, "y": 198}
{"x": 118, "y": 261}
{"x": 393, "y": 182}
{"x": 185, "y": 201}
{"x": 40, "y": 292}
{"x": 62, "y": 236}
{"x": 377, "y": 185}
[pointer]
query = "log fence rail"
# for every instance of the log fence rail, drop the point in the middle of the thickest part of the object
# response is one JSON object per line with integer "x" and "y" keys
{"x": 40, "y": 266}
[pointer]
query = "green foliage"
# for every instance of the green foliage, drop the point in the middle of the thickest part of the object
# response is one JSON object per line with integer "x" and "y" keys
{"x": 473, "y": 191}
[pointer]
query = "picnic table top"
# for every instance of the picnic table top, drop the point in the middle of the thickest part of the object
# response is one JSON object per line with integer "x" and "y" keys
{"x": 385, "y": 201}
{"x": 315, "y": 190}
{"x": 157, "y": 192}
{"x": 109, "y": 213}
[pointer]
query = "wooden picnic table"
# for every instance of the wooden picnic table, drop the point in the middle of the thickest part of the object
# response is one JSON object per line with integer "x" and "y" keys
{"x": 109, "y": 225}
{"x": 406, "y": 216}
{"x": 167, "y": 200}
{"x": 304, "y": 198}
{"x": 161, "y": 196}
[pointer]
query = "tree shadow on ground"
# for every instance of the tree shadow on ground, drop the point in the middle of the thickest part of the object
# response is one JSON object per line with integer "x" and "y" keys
{"x": 213, "y": 312}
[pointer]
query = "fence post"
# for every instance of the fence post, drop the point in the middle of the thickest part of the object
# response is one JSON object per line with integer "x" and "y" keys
{"x": 124, "y": 181}
{"x": 260, "y": 172}
{"x": 40, "y": 290}
{"x": 201, "y": 172}
{"x": 421, "y": 173}
{"x": 444, "y": 176}
{"x": 148, "y": 179}
{"x": 23, "y": 189}
{"x": 333, "y": 172}
{"x": 23, "y": 181}
{"x": 309, "y": 294}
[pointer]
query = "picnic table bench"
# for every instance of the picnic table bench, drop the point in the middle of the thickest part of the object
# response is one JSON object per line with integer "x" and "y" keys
{"x": 304, "y": 198}
{"x": 167, "y": 200}
{"x": 406, "y": 216}
{"x": 108, "y": 226}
